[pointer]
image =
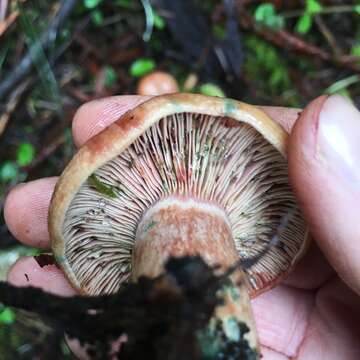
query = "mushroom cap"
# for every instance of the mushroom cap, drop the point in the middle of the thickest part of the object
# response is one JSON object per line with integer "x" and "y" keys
{"x": 157, "y": 83}
{"x": 243, "y": 152}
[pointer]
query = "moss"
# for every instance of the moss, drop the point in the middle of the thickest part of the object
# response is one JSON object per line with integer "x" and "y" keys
{"x": 231, "y": 289}
{"x": 226, "y": 340}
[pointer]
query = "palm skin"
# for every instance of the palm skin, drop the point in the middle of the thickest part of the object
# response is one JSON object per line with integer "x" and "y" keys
{"x": 313, "y": 314}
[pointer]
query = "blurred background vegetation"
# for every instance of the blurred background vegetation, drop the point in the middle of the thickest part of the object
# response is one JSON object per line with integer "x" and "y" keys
{"x": 56, "y": 55}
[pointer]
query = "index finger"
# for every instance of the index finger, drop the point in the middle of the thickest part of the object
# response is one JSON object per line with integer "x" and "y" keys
{"x": 94, "y": 116}
{"x": 286, "y": 117}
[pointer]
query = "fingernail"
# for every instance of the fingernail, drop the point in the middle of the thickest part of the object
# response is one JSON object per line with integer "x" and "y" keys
{"x": 338, "y": 138}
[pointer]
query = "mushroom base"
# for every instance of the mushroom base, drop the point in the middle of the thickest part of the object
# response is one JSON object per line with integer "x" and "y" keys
{"x": 175, "y": 227}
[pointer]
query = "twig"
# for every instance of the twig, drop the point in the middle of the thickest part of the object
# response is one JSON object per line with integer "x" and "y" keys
{"x": 4, "y": 24}
{"x": 329, "y": 37}
{"x": 46, "y": 39}
{"x": 11, "y": 104}
{"x": 46, "y": 152}
{"x": 87, "y": 45}
{"x": 284, "y": 39}
{"x": 337, "y": 9}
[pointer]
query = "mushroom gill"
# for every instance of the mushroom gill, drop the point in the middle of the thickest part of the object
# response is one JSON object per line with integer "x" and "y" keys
{"x": 212, "y": 161}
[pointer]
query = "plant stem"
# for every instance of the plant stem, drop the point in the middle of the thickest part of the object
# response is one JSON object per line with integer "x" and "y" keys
{"x": 338, "y": 9}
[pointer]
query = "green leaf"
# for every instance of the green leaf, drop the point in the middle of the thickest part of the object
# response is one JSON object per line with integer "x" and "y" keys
{"x": 266, "y": 14}
{"x": 313, "y": 7}
{"x": 266, "y": 66}
{"x": 8, "y": 171}
{"x": 25, "y": 154}
{"x": 91, "y": 4}
{"x": 338, "y": 86}
{"x": 7, "y": 316}
{"x": 159, "y": 22}
{"x": 211, "y": 90}
{"x": 304, "y": 24}
{"x": 141, "y": 67}
{"x": 277, "y": 77}
{"x": 101, "y": 187}
{"x": 355, "y": 50}
{"x": 263, "y": 11}
{"x": 97, "y": 17}
{"x": 110, "y": 76}
{"x": 357, "y": 9}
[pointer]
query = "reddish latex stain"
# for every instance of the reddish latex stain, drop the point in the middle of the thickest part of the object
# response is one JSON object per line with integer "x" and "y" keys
{"x": 229, "y": 122}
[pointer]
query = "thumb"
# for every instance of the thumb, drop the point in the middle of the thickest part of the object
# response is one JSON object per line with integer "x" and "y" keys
{"x": 324, "y": 169}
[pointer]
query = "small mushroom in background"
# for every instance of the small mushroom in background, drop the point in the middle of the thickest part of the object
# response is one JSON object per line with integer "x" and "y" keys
{"x": 157, "y": 83}
{"x": 180, "y": 175}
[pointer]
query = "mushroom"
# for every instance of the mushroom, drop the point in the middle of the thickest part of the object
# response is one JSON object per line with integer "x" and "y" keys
{"x": 178, "y": 175}
{"x": 157, "y": 83}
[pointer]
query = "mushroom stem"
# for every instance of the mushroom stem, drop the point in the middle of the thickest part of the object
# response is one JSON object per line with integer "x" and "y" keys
{"x": 177, "y": 227}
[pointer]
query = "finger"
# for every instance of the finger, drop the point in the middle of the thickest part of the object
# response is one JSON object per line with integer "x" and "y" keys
{"x": 80, "y": 352}
{"x": 95, "y": 116}
{"x": 324, "y": 168}
{"x": 333, "y": 330}
{"x": 26, "y": 211}
{"x": 268, "y": 354}
{"x": 27, "y": 272}
{"x": 313, "y": 269}
{"x": 286, "y": 117}
{"x": 281, "y": 316}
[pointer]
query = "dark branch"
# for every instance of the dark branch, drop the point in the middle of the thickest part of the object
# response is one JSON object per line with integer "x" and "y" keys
{"x": 284, "y": 39}
{"x": 137, "y": 311}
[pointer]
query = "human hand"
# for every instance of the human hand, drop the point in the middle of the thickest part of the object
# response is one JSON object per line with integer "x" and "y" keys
{"x": 313, "y": 314}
